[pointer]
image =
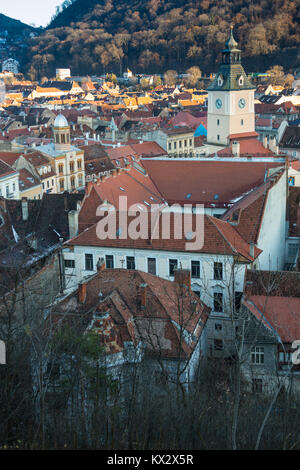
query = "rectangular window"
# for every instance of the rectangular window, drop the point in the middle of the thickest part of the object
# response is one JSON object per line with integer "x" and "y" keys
{"x": 152, "y": 266}
{"x": 218, "y": 271}
{"x": 180, "y": 144}
{"x": 172, "y": 266}
{"x": 237, "y": 300}
{"x": 218, "y": 345}
{"x": 109, "y": 261}
{"x": 14, "y": 187}
{"x": 7, "y": 191}
{"x": 257, "y": 385}
{"x": 69, "y": 263}
{"x": 185, "y": 143}
{"x": 218, "y": 302}
{"x": 78, "y": 164}
{"x": 89, "y": 264}
{"x": 175, "y": 145}
{"x": 191, "y": 142}
{"x": 242, "y": 122}
{"x": 218, "y": 137}
{"x": 170, "y": 146}
{"x": 218, "y": 122}
{"x": 257, "y": 355}
{"x": 196, "y": 269}
{"x": 130, "y": 262}
{"x": 218, "y": 326}
{"x": 292, "y": 249}
{"x": 71, "y": 167}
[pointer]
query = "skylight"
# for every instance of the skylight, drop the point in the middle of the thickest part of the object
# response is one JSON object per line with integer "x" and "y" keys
{"x": 188, "y": 196}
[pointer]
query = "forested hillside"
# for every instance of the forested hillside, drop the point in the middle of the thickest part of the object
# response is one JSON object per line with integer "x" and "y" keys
{"x": 14, "y": 27}
{"x": 155, "y": 35}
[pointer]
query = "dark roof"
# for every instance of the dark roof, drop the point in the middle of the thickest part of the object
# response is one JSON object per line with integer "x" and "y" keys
{"x": 63, "y": 86}
{"x": 273, "y": 283}
{"x": 291, "y": 138}
{"x": 52, "y": 220}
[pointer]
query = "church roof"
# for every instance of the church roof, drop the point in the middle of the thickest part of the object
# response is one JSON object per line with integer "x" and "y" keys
{"x": 230, "y": 74}
{"x": 231, "y": 70}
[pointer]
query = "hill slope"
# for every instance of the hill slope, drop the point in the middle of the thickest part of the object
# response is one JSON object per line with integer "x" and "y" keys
{"x": 14, "y": 27}
{"x": 153, "y": 35}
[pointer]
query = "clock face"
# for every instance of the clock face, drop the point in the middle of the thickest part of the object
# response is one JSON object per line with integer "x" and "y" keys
{"x": 218, "y": 103}
{"x": 242, "y": 103}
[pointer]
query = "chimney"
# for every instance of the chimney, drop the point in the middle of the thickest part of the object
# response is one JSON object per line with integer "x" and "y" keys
{"x": 101, "y": 265}
{"x": 66, "y": 205}
{"x": 235, "y": 148}
{"x": 142, "y": 295}
{"x": 252, "y": 245}
{"x": 24, "y": 209}
{"x": 82, "y": 292}
{"x": 273, "y": 145}
{"x": 73, "y": 223}
{"x": 183, "y": 277}
{"x": 265, "y": 141}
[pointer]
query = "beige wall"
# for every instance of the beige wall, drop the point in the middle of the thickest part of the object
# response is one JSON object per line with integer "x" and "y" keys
{"x": 32, "y": 193}
{"x": 180, "y": 140}
{"x": 232, "y": 119}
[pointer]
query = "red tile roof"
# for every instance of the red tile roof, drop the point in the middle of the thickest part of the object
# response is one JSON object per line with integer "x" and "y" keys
{"x": 5, "y": 169}
{"x": 214, "y": 184}
{"x": 184, "y": 118}
{"x": 26, "y": 180}
{"x": 10, "y": 157}
{"x": 133, "y": 184}
{"x": 250, "y": 146}
{"x": 118, "y": 316}
{"x": 249, "y": 210}
{"x": 278, "y": 313}
{"x": 219, "y": 238}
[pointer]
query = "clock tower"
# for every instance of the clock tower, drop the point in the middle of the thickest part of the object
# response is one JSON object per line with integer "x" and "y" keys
{"x": 230, "y": 99}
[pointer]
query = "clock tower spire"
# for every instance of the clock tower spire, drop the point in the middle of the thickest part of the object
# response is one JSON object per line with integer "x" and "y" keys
{"x": 230, "y": 98}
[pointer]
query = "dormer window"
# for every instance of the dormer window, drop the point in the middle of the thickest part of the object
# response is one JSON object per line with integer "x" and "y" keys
{"x": 220, "y": 80}
{"x": 241, "y": 80}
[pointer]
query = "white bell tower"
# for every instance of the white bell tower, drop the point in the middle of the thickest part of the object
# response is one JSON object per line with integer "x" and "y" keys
{"x": 230, "y": 99}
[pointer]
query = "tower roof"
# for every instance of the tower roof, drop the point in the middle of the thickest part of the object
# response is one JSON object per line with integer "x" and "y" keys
{"x": 60, "y": 121}
{"x": 231, "y": 42}
{"x": 231, "y": 74}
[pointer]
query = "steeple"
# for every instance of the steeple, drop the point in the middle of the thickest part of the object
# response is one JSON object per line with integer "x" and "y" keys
{"x": 231, "y": 75}
{"x": 231, "y": 54}
{"x": 230, "y": 98}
